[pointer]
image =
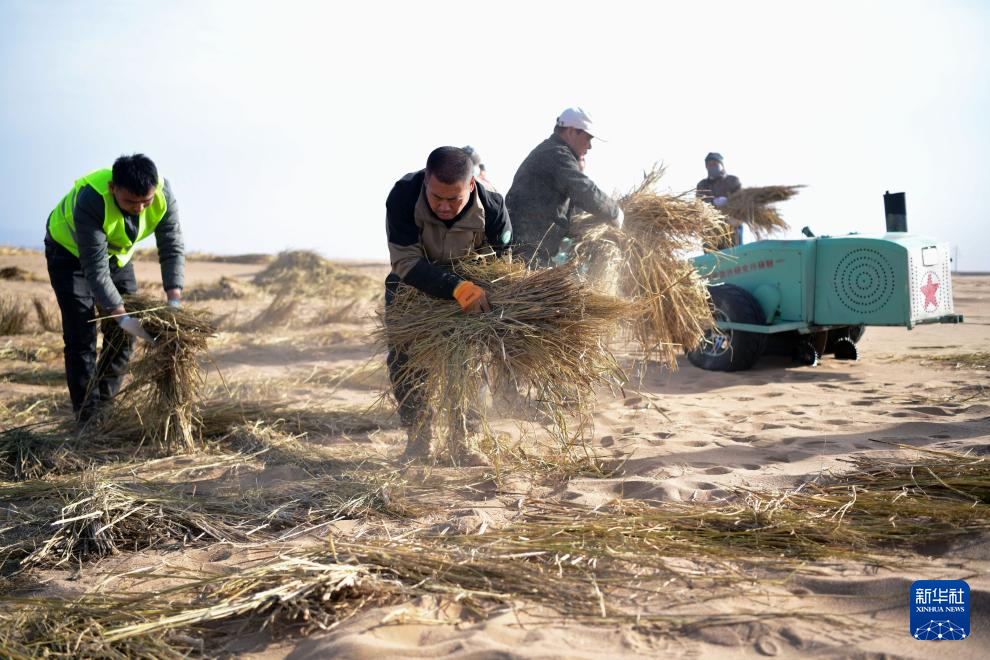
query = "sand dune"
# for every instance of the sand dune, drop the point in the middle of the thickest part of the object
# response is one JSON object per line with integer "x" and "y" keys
{"x": 687, "y": 436}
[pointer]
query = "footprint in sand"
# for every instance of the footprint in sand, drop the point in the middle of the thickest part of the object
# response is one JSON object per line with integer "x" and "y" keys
{"x": 933, "y": 410}
{"x": 608, "y": 441}
{"x": 718, "y": 469}
{"x": 839, "y": 422}
{"x": 750, "y": 466}
{"x": 664, "y": 435}
{"x": 773, "y": 395}
{"x": 697, "y": 443}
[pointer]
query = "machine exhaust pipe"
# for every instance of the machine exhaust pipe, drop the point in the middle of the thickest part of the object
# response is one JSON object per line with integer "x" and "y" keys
{"x": 895, "y": 207}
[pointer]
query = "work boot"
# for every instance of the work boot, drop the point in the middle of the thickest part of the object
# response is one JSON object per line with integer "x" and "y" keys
{"x": 418, "y": 444}
{"x": 463, "y": 453}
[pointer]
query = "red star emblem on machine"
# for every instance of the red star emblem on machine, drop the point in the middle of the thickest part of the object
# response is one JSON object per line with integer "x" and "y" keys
{"x": 930, "y": 290}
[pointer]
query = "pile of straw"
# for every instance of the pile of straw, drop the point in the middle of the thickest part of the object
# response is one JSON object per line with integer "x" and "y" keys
{"x": 546, "y": 332}
{"x": 305, "y": 272}
{"x": 645, "y": 262}
{"x": 167, "y": 378}
{"x": 755, "y": 208}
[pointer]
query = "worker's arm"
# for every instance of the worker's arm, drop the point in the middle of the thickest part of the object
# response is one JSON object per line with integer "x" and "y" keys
{"x": 92, "y": 243}
{"x": 171, "y": 248}
{"x": 582, "y": 191}
{"x": 732, "y": 185}
{"x": 703, "y": 191}
{"x": 406, "y": 253}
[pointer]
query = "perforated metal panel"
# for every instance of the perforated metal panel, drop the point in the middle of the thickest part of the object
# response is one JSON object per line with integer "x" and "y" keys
{"x": 864, "y": 281}
{"x": 931, "y": 282}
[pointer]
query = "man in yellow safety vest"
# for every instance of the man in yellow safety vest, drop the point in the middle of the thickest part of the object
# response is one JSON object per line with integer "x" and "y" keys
{"x": 90, "y": 239}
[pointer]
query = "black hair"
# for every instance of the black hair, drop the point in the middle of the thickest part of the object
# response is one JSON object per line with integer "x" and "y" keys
{"x": 449, "y": 165}
{"x": 135, "y": 173}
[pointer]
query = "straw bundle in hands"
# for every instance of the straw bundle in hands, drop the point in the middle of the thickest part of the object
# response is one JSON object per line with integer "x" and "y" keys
{"x": 755, "y": 208}
{"x": 167, "y": 378}
{"x": 546, "y": 332}
{"x": 645, "y": 262}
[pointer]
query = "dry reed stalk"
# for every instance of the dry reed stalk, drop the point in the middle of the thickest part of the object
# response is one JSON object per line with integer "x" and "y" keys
{"x": 755, "y": 208}
{"x": 546, "y": 332}
{"x": 13, "y": 317}
{"x": 645, "y": 262}
{"x": 49, "y": 315}
{"x": 162, "y": 396}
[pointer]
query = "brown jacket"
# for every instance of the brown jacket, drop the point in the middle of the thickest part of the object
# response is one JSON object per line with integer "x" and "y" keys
{"x": 420, "y": 244}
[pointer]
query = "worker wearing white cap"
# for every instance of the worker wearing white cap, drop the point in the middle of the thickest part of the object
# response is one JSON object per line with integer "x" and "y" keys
{"x": 551, "y": 184}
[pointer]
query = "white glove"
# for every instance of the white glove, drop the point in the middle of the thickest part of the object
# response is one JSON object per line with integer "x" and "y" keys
{"x": 133, "y": 327}
{"x": 720, "y": 201}
{"x": 175, "y": 303}
{"x": 619, "y": 219}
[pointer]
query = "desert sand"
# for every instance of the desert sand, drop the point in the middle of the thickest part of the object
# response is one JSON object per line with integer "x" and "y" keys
{"x": 683, "y": 436}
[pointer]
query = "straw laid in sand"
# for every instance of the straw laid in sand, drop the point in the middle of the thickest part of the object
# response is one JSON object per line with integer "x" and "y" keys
{"x": 96, "y": 514}
{"x": 631, "y": 562}
{"x": 645, "y": 262}
{"x": 546, "y": 332}
{"x": 167, "y": 378}
{"x": 755, "y": 208}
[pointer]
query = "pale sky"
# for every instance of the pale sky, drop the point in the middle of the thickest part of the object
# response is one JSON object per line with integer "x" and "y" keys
{"x": 284, "y": 125}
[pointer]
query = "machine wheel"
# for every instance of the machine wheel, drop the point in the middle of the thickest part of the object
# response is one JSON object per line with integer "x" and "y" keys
{"x": 805, "y": 353}
{"x": 851, "y": 332}
{"x": 731, "y": 350}
{"x": 845, "y": 349}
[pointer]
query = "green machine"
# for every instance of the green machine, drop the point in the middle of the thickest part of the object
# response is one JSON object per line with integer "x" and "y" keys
{"x": 815, "y": 296}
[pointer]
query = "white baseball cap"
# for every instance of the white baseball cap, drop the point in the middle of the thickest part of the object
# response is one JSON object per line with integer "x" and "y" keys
{"x": 577, "y": 118}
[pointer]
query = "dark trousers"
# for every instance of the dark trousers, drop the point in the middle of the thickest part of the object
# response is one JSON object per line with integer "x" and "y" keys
{"x": 406, "y": 387}
{"x": 90, "y": 380}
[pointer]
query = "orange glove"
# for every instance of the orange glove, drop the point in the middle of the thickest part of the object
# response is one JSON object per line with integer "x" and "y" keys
{"x": 471, "y": 297}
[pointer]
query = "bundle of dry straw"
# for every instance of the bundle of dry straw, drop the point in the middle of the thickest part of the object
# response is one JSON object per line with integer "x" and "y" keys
{"x": 167, "y": 378}
{"x": 546, "y": 332}
{"x": 645, "y": 262}
{"x": 755, "y": 208}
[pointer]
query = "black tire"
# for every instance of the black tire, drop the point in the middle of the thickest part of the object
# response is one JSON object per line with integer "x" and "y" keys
{"x": 852, "y": 332}
{"x": 805, "y": 353}
{"x": 731, "y": 350}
